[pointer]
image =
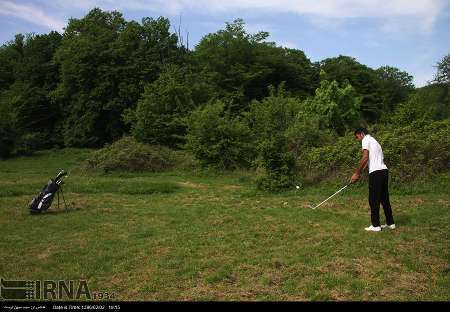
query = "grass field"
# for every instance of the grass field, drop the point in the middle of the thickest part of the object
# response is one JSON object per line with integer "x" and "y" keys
{"x": 190, "y": 236}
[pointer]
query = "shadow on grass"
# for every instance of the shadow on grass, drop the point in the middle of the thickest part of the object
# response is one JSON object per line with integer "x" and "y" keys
{"x": 56, "y": 212}
{"x": 403, "y": 220}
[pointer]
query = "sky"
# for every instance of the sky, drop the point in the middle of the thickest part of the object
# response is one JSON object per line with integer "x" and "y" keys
{"x": 411, "y": 35}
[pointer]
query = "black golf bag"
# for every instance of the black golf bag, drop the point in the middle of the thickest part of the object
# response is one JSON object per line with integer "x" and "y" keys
{"x": 45, "y": 198}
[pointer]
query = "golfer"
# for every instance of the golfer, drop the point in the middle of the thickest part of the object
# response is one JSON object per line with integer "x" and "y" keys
{"x": 378, "y": 180}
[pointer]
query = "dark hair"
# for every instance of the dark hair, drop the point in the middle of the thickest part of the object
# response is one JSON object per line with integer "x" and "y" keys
{"x": 361, "y": 130}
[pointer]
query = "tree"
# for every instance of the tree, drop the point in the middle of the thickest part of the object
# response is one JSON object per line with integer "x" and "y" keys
{"x": 29, "y": 75}
{"x": 160, "y": 116}
{"x": 243, "y": 66}
{"x": 89, "y": 81}
{"x": 230, "y": 55}
{"x": 395, "y": 87}
{"x": 364, "y": 80}
{"x": 443, "y": 70}
{"x": 11, "y": 55}
{"x": 337, "y": 106}
{"x": 105, "y": 63}
{"x": 218, "y": 139}
{"x": 270, "y": 120}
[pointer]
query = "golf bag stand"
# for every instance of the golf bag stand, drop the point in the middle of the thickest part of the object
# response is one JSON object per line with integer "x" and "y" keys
{"x": 60, "y": 190}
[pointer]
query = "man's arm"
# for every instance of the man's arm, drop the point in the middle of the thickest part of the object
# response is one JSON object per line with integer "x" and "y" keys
{"x": 362, "y": 165}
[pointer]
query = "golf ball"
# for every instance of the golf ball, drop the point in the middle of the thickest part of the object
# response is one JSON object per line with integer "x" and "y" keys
{"x": 297, "y": 187}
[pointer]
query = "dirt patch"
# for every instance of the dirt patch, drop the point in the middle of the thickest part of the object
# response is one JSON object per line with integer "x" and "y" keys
{"x": 44, "y": 255}
{"x": 193, "y": 185}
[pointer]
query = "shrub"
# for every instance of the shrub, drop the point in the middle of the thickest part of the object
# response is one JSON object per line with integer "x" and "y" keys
{"x": 337, "y": 106}
{"x": 160, "y": 114}
{"x": 219, "y": 140}
{"x": 305, "y": 133}
{"x": 270, "y": 120}
{"x": 276, "y": 164}
{"x": 416, "y": 150}
{"x": 327, "y": 161}
{"x": 28, "y": 143}
{"x": 128, "y": 155}
{"x": 411, "y": 152}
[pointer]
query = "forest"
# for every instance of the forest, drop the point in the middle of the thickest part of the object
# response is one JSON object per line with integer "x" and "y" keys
{"x": 234, "y": 101}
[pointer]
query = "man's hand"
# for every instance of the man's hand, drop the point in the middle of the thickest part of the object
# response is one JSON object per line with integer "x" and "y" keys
{"x": 355, "y": 177}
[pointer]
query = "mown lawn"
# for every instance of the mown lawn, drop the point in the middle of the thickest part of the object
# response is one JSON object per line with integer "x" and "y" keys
{"x": 189, "y": 236}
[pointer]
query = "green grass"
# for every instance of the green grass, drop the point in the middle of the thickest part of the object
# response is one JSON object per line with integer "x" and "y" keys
{"x": 191, "y": 236}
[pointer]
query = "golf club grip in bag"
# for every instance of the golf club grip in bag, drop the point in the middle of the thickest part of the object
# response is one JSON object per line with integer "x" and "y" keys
{"x": 45, "y": 198}
{"x": 59, "y": 177}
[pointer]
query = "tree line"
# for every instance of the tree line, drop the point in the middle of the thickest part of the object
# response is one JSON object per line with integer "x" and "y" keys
{"x": 231, "y": 100}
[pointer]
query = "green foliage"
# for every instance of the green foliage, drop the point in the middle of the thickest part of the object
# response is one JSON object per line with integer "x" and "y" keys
{"x": 338, "y": 107}
{"x": 411, "y": 151}
{"x": 270, "y": 119}
{"x": 328, "y": 161}
{"x": 128, "y": 155}
{"x": 307, "y": 132}
{"x": 105, "y": 62}
{"x": 364, "y": 80}
{"x": 428, "y": 103}
{"x": 160, "y": 114}
{"x": 242, "y": 65}
{"x": 11, "y": 54}
{"x": 395, "y": 87}
{"x": 29, "y": 75}
{"x": 7, "y": 133}
{"x": 443, "y": 70}
{"x": 230, "y": 55}
{"x": 218, "y": 139}
{"x": 276, "y": 164}
{"x": 416, "y": 150}
{"x": 88, "y": 88}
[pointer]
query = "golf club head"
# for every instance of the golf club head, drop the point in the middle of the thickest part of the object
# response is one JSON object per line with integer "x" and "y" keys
{"x": 60, "y": 175}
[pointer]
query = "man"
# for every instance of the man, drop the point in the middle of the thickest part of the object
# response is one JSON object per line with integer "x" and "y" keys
{"x": 378, "y": 180}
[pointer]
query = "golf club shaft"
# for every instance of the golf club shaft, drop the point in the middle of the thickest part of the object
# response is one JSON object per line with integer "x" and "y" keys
{"x": 331, "y": 196}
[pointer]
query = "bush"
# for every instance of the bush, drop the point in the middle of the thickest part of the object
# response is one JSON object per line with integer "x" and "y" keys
{"x": 270, "y": 120}
{"x": 28, "y": 143}
{"x": 416, "y": 150}
{"x": 219, "y": 140}
{"x": 420, "y": 149}
{"x": 276, "y": 165}
{"x": 427, "y": 103}
{"x": 160, "y": 114}
{"x": 128, "y": 155}
{"x": 337, "y": 106}
{"x": 306, "y": 133}
{"x": 325, "y": 162}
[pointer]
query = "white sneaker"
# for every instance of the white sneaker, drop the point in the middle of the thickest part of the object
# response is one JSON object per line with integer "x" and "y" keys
{"x": 392, "y": 226}
{"x": 373, "y": 228}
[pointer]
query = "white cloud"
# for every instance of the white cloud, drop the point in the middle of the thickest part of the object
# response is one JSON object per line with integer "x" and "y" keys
{"x": 421, "y": 14}
{"x": 395, "y": 15}
{"x": 32, "y": 14}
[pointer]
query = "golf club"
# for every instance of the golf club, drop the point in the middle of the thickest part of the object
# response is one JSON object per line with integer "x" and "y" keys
{"x": 330, "y": 197}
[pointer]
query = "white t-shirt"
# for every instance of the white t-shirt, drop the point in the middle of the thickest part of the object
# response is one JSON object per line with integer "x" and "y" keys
{"x": 376, "y": 158}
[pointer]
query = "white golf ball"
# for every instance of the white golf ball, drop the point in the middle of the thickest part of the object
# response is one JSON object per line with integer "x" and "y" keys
{"x": 297, "y": 187}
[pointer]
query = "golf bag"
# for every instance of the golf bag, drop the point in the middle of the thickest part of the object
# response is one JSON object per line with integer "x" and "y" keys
{"x": 45, "y": 198}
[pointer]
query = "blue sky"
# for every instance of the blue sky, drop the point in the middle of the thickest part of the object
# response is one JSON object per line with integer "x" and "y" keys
{"x": 412, "y": 35}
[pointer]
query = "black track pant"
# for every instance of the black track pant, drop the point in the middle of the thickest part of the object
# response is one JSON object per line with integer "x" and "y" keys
{"x": 379, "y": 193}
